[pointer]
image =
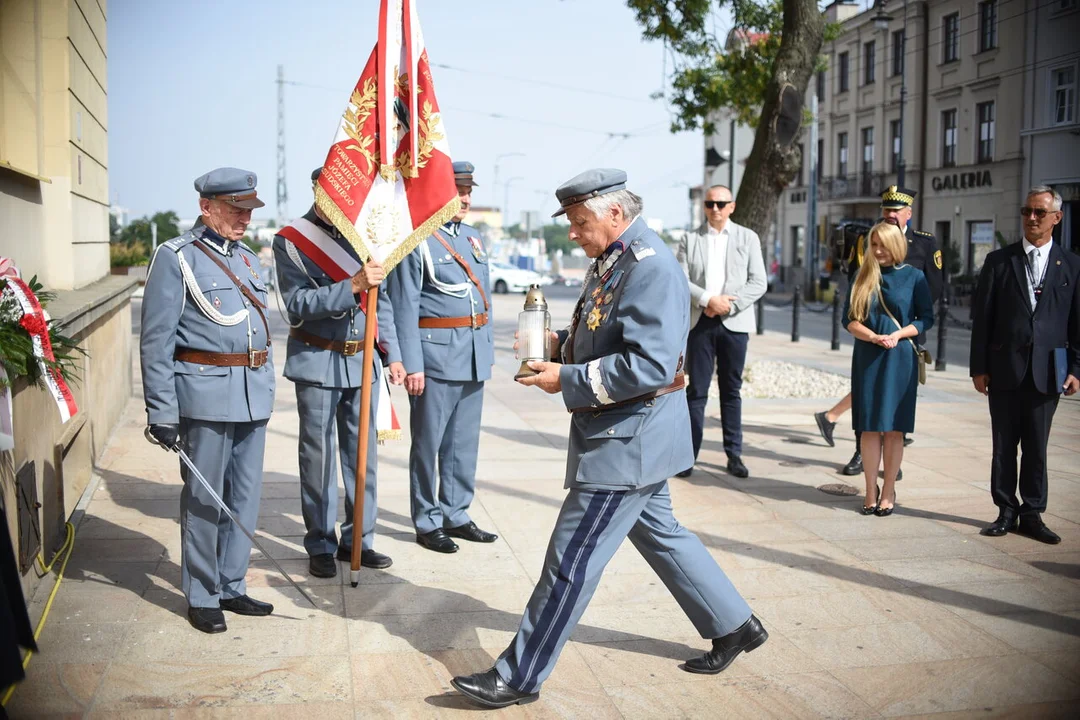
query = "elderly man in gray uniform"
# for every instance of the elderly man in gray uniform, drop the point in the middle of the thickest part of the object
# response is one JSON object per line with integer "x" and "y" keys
{"x": 621, "y": 377}
{"x": 440, "y": 294}
{"x": 325, "y": 286}
{"x": 208, "y": 382}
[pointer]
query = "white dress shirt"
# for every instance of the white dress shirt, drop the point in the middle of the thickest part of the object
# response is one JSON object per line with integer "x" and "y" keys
{"x": 716, "y": 271}
{"x": 1042, "y": 259}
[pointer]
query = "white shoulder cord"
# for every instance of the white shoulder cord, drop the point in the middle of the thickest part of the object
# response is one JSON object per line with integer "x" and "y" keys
{"x": 203, "y": 304}
{"x": 460, "y": 290}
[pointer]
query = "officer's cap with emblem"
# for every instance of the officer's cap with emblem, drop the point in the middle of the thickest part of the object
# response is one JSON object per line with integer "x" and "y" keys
{"x": 896, "y": 198}
{"x": 233, "y": 185}
{"x": 463, "y": 174}
{"x": 587, "y": 185}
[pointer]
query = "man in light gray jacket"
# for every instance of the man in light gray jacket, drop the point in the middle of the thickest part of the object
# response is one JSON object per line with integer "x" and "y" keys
{"x": 726, "y": 270}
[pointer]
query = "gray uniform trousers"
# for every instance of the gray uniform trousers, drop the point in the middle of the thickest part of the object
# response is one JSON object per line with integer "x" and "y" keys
{"x": 590, "y": 528}
{"x": 215, "y": 553}
{"x": 322, "y": 410}
{"x": 445, "y": 424}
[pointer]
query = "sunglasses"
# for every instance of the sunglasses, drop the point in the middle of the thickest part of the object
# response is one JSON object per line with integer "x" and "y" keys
{"x": 721, "y": 204}
{"x": 1040, "y": 213}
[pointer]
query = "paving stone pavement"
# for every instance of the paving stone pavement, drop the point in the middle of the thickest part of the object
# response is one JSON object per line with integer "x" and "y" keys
{"x": 906, "y": 616}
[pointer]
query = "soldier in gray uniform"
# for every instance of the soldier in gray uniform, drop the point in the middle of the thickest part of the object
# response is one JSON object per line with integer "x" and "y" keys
{"x": 441, "y": 294}
{"x": 622, "y": 379}
{"x": 323, "y": 283}
{"x": 208, "y": 382}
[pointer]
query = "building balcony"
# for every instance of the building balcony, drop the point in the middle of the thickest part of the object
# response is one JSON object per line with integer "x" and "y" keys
{"x": 857, "y": 187}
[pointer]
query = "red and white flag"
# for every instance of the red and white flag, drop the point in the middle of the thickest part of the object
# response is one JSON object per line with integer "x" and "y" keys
{"x": 388, "y": 181}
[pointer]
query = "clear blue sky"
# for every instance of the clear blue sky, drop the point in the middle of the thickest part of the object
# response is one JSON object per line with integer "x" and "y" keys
{"x": 192, "y": 86}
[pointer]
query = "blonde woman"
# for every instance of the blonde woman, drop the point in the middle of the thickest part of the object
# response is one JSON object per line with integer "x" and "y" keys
{"x": 889, "y": 304}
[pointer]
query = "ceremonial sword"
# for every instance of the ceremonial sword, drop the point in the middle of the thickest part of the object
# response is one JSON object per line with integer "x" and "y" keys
{"x": 221, "y": 504}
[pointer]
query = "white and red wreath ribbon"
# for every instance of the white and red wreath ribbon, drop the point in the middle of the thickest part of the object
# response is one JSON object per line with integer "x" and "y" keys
{"x": 33, "y": 321}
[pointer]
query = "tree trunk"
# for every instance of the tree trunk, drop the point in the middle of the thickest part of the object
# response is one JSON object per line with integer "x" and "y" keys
{"x": 771, "y": 167}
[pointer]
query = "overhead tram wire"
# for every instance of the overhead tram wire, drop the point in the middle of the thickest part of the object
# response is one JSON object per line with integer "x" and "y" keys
{"x": 544, "y": 83}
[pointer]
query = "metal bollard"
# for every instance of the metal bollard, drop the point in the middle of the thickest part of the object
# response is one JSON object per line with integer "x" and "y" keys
{"x": 760, "y": 310}
{"x": 795, "y": 314}
{"x": 836, "y": 320}
{"x": 943, "y": 324}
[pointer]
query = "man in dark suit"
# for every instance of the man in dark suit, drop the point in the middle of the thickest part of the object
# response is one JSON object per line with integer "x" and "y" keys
{"x": 1025, "y": 351}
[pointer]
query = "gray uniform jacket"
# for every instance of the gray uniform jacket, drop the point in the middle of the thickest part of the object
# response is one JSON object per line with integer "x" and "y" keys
{"x": 452, "y": 354}
{"x": 320, "y": 306}
{"x": 744, "y": 276}
{"x": 627, "y": 340}
{"x": 189, "y": 303}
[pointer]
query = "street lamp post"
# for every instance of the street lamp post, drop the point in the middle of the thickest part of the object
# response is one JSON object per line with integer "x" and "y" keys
{"x": 881, "y": 22}
{"x": 506, "y": 200}
{"x": 495, "y": 176}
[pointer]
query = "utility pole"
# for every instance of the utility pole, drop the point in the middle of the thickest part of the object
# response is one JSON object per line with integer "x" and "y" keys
{"x": 282, "y": 191}
{"x": 811, "y": 198}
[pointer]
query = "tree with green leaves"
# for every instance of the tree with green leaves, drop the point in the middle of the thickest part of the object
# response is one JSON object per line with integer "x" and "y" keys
{"x": 776, "y": 50}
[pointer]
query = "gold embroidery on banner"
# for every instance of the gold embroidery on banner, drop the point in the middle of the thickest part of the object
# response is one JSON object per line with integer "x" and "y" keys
{"x": 355, "y": 119}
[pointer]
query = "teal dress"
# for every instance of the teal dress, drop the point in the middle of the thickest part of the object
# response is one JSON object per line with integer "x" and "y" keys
{"x": 884, "y": 382}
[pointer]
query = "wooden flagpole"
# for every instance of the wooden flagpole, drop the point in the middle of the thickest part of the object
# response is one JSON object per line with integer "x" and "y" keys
{"x": 365, "y": 432}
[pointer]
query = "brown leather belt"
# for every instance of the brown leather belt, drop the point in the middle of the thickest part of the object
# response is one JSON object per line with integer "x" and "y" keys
{"x": 253, "y": 359}
{"x": 677, "y": 384}
{"x": 348, "y": 348}
{"x": 455, "y": 322}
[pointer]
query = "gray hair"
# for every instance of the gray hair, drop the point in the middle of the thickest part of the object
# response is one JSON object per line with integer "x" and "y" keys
{"x": 629, "y": 202}
{"x": 1040, "y": 189}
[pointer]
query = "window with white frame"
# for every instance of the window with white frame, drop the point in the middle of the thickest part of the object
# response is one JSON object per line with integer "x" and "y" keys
{"x": 1063, "y": 95}
{"x": 985, "y": 114}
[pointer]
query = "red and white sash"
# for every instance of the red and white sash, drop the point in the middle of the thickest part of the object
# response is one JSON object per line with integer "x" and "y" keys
{"x": 334, "y": 260}
{"x": 33, "y": 321}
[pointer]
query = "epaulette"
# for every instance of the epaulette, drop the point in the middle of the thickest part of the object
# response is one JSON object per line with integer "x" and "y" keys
{"x": 922, "y": 233}
{"x": 640, "y": 250}
{"x": 179, "y": 242}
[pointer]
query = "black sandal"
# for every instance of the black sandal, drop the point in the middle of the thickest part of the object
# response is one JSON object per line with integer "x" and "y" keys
{"x": 886, "y": 512}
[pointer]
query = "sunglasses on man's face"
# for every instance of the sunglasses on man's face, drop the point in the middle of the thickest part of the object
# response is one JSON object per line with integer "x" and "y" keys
{"x": 1040, "y": 213}
{"x": 720, "y": 204}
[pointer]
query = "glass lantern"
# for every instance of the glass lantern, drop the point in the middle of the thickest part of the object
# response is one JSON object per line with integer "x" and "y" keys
{"x": 534, "y": 329}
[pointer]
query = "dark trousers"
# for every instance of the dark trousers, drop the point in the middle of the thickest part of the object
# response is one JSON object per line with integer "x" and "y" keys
{"x": 711, "y": 346}
{"x": 1021, "y": 416}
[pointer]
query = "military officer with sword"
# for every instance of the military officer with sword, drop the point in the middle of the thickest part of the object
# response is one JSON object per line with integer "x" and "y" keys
{"x": 208, "y": 384}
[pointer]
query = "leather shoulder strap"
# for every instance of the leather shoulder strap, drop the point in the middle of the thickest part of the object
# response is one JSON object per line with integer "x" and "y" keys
{"x": 464, "y": 266}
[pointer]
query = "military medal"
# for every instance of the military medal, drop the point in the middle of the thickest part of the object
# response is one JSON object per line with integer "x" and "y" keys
{"x": 608, "y": 298}
{"x": 250, "y": 269}
{"x": 593, "y": 321}
{"x": 217, "y": 301}
{"x": 478, "y": 249}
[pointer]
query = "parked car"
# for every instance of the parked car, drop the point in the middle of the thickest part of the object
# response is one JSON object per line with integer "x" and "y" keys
{"x": 507, "y": 278}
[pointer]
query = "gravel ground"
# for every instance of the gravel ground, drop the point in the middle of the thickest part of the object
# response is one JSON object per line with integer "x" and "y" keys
{"x": 775, "y": 379}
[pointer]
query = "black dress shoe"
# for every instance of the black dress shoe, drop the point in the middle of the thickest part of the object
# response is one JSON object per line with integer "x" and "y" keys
{"x": 908, "y": 440}
{"x": 1006, "y": 522}
{"x": 685, "y": 473}
{"x": 886, "y": 511}
{"x": 825, "y": 427}
{"x": 244, "y": 605}
{"x": 1032, "y": 526}
{"x": 735, "y": 467}
{"x": 322, "y": 565}
{"x": 854, "y": 466}
{"x": 489, "y": 690}
{"x": 437, "y": 540}
{"x": 207, "y": 620}
{"x": 724, "y": 650}
{"x": 368, "y": 558}
{"x": 470, "y": 532}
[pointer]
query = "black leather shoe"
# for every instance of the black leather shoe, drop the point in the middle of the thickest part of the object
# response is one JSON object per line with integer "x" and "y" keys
{"x": 854, "y": 466}
{"x": 322, "y": 565}
{"x": 1006, "y": 522}
{"x": 685, "y": 473}
{"x": 735, "y": 467}
{"x": 749, "y": 637}
{"x": 207, "y": 620}
{"x": 489, "y": 690}
{"x": 368, "y": 558}
{"x": 244, "y": 605}
{"x": 437, "y": 540}
{"x": 825, "y": 427}
{"x": 1032, "y": 526}
{"x": 908, "y": 440}
{"x": 470, "y": 532}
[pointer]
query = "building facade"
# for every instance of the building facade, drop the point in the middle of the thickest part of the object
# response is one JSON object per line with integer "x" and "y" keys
{"x": 929, "y": 96}
{"x": 54, "y": 223}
